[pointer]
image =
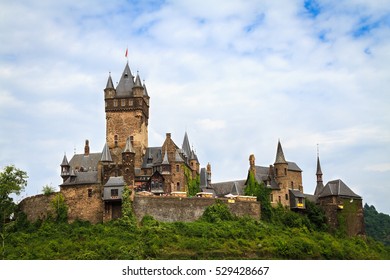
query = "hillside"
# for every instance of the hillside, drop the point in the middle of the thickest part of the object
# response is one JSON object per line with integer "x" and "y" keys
{"x": 218, "y": 235}
{"x": 377, "y": 224}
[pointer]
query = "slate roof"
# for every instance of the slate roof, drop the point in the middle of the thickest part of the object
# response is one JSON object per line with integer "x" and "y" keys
{"x": 337, "y": 188}
{"x": 86, "y": 162}
{"x": 82, "y": 178}
{"x": 115, "y": 182}
{"x": 152, "y": 157}
{"x": 126, "y": 83}
{"x": 279, "y": 154}
{"x": 223, "y": 188}
{"x": 106, "y": 154}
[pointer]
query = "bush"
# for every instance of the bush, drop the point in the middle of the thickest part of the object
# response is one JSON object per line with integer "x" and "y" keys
{"x": 217, "y": 212}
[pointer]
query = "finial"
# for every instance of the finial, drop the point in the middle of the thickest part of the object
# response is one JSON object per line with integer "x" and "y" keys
{"x": 318, "y": 150}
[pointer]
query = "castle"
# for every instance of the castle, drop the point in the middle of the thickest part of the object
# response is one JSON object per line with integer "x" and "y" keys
{"x": 93, "y": 182}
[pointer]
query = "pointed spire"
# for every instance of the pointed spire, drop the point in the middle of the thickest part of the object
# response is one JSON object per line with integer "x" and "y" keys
{"x": 126, "y": 83}
{"x": 65, "y": 161}
{"x": 129, "y": 146}
{"x": 110, "y": 84}
{"x": 145, "y": 90}
{"x": 320, "y": 184}
{"x": 186, "y": 146}
{"x": 138, "y": 81}
{"x": 106, "y": 155}
{"x": 279, "y": 154}
{"x": 165, "y": 160}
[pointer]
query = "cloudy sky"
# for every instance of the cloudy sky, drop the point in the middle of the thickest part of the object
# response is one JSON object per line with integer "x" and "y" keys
{"x": 236, "y": 75}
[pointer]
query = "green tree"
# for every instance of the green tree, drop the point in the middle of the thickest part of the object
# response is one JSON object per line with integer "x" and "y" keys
{"x": 48, "y": 189}
{"x": 128, "y": 216}
{"x": 12, "y": 181}
{"x": 262, "y": 193}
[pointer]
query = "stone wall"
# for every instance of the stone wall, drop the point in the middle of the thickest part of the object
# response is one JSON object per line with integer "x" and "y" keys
{"x": 344, "y": 214}
{"x": 37, "y": 207}
{"x": 84, "y": 203}
{"x": 172, "y": 209}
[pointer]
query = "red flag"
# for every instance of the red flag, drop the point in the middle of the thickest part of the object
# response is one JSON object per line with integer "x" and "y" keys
{"x": 126, "y": 52}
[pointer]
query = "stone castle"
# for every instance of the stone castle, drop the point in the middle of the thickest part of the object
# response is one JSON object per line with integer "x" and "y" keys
{"x": 160, "y": 176}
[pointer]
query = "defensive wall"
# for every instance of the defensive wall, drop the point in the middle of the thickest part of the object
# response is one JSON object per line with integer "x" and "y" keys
{"x": 164, "y": 209}
{"x": 187, "y": 209}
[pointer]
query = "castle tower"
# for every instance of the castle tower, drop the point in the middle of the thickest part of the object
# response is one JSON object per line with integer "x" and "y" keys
{"x": 128, "y": 156}
{"x": 65, "y": 169}
{"x": 280, "y": 164}
{"x": 127, "y": 114}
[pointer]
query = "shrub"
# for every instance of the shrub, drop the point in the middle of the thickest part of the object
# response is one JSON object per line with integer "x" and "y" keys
{"x": 217, "y": 212}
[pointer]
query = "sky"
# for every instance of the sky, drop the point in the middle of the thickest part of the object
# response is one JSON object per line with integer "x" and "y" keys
{"x": 237, "y": 76}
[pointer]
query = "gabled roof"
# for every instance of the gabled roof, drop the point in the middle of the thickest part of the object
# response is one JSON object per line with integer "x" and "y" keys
{"x": 337, "y": 188}
{"x": 126, "y": 83}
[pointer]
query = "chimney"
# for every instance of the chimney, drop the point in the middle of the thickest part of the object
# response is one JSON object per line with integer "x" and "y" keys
{"x": 252, "y": 164}
{"x": 168, "y": 135}
{"x": 86, "y": 148}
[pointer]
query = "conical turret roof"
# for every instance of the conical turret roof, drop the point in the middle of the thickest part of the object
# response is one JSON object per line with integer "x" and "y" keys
{"x": 65, "y": 161}
{"x": 138, "y": 81}
{"x": 165, "y": 160}
{"x": 279, "y": 154}
{"x": 106, "y": 155}
{"x": 186, "y": 146}
{"x": 126, "y": 83}
{"x": 129, "y": 146}
{"x": 110, "y": 84}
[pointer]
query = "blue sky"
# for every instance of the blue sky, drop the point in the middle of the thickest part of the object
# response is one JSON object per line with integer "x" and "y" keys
{"x": 236, "y": 75}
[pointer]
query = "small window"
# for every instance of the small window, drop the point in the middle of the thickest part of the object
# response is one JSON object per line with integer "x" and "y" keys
{"x": 177, "y": 168}
{"x": 178, "y": 186}
{"x": 292, "y": 184}
{"x": 115, "y": 103}
{"x": 116, "y": 140}
{"x": 276, "y": 171}
{"x": 286, "y": 196}
{"x": 123, "y": 102}
{"x": 285, "y": 171}
{"x": 89, "y": 192}
{"x": 114, "y": 193}
{"x": 131, "y": 102}
{"x": 279, "y": 198}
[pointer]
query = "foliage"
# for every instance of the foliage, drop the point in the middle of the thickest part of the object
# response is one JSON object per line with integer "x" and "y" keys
{"x": 316, "y": 215}
{"x": 377, "y": 224}
{"x": 128, "y": 217}
{"x": 263, "y": 194}
{"x": 193, "y": 184}
{"x": 59, "y": 207}
{"x": 48, "y": 190}
{"x": 217, "y": 212}
{"x": 12, "y": 181}
{"x": 239, "y": 238}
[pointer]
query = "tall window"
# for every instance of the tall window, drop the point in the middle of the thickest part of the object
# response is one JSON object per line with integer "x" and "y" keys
{"x": 286, "y": 196}
{"x": 116, "y": 140}
{"x": 115, "y": 103}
